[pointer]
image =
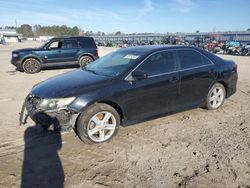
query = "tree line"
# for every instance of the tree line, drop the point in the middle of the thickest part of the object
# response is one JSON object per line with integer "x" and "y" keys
{"x": 37, "y": 30}
{"x": 55, "y": 30}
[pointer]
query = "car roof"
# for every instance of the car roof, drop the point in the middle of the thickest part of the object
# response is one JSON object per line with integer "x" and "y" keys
{"x": 70, "y": 37}
{"x": 153, "y": 48}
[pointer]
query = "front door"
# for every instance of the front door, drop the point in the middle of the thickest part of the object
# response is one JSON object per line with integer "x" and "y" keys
{"x": 54, "y": 53}
{"x": 156, "y": 94}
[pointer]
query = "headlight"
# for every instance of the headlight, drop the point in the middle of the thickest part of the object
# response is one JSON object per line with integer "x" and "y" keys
{"x": 51, "y": 104}
{"x": 15, "y": 55}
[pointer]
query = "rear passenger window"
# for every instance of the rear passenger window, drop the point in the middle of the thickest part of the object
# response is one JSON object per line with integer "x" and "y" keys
{"x": 87, "y": 43}
{"x": 160, "y": 63}
{"x": 190, "y": 59}
{"x": 70, "y": 44}
{"x": 206, "y": 61}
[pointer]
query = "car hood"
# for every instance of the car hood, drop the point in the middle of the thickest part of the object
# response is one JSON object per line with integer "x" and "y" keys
{"x": 74, "y": 83}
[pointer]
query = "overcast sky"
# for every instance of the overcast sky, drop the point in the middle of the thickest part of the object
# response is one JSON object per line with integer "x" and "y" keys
{"x": 130, "y": 15}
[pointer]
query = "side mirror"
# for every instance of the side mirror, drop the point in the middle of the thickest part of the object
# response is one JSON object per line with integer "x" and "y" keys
{"x": 139, "y": 75}
{"x": 47, "y": 47}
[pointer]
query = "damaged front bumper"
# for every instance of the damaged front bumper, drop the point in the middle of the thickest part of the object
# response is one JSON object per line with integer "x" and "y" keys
{"x": 63, "y": 118}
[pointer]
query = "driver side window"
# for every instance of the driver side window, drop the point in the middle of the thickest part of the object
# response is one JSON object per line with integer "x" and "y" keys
{"x": 159, "y": 63}
{"x": 55, "y": 45}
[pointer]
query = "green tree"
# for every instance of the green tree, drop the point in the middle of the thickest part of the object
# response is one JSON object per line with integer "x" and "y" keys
{"x": 26, "y": 30}
{"x": 118, "y": 33}
{"x": 10, "y": 27}
{"x": 75, "y": 31}
{"x": 89, "y": 33}
{"x": 56, "y": 30}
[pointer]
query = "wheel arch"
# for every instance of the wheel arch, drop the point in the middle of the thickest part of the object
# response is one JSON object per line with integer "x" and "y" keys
{"x": 116, "y": 106}
{"x": 31, "y": 57}
{"x": 86, "y": 54}
{"x": 113, "y": 104}
{"x": 225, "y": 86}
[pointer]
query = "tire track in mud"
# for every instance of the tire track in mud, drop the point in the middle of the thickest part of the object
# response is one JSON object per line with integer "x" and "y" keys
{"x": 9, "y": 148}
{"x": 203, "y": 169}
{"x": 114, "y": 153}
{"x": 12, "y": 147}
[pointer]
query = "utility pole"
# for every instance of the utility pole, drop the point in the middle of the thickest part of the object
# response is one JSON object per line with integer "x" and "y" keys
{"x": 15, "y": 23}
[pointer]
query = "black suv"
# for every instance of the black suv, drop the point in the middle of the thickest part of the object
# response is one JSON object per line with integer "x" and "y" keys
{"x": 59, "y": 51}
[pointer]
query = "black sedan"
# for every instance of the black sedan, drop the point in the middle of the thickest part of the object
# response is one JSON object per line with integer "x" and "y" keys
{"x": 129, "y": 86}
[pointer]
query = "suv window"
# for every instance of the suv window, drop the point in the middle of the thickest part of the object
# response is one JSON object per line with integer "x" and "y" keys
{"x": 70, "y": 43}
{"x": 191, "y": 58}
{"x": 87, "y": 43}
{"x": 162, "y": 62}
{"x": 55, "y": 45}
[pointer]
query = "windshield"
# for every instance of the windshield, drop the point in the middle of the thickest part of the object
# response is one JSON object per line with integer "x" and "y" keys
{"x": 44, "y": 44}
{"x": 114, "y": 63}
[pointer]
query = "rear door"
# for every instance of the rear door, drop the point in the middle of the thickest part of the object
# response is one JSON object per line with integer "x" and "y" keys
{"x": 197, "y": 73}
{"x": 156, "y": 94}
{"x": 88, "y": 45}
{"x": 70, "y": 50}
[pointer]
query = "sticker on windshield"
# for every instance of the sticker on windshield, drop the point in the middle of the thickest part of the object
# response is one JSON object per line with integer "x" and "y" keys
{"x": 131, "y": 56}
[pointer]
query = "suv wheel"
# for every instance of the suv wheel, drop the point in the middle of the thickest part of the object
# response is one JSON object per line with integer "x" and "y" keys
{"x": 85, "y": 60}
{"x": 31, "y": 66}
{"x": 216, "y": 97}
{"x": 98, "y": 123}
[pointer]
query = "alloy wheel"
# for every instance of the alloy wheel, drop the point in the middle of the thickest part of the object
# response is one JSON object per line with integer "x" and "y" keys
{"x": 31, "y": 66}
{"x": 85, "y": 61}
{"x": 216, "y": 97}
{"x": 101, "y": 126}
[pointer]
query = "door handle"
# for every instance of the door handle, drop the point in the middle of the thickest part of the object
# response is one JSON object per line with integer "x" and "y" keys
{"x": 211, "y": 71}
{"x": 174, "y": 79}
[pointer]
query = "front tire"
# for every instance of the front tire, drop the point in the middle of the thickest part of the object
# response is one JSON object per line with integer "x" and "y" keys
{"x": 85, "y": 60}
{"x": 31, "y": 66}
{"x": 98, "y": 123}
{"x": 216, "y": 97}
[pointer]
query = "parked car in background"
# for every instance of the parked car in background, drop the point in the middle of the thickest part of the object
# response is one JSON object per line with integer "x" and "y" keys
{"x": 131, "y": 85}
{"x": 59, "y": 51}
{"x": 213, "y": 47}
{"x": 246, "y": 50}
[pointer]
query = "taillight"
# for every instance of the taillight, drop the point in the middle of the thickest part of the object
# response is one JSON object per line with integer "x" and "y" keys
{"x": 235, "y": 67}
{"x": 97, "y": 52}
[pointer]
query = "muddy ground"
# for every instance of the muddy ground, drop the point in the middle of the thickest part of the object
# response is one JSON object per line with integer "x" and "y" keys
{"x": 195, "y": 148}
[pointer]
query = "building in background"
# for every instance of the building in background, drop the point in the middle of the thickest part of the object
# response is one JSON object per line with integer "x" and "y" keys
{"x": 10, "y": 36}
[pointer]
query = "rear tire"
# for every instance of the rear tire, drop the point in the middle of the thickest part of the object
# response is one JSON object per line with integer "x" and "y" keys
{"x": 85, "y": 60}
{"x": 98, "y": 123}
{"x": 31, "y": 66}
{"x": 216, "y": 97}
